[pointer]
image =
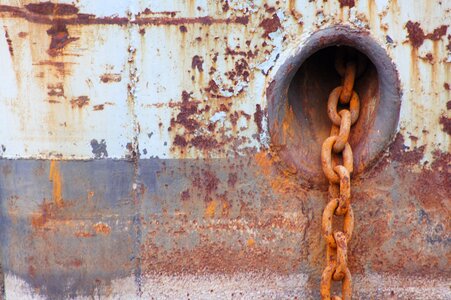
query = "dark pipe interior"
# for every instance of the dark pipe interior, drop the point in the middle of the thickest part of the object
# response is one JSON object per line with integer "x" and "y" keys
{"x": 308, "y": 93}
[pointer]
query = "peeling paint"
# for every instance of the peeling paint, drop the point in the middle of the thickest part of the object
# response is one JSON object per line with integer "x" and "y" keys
{"x": 115, "y": 136}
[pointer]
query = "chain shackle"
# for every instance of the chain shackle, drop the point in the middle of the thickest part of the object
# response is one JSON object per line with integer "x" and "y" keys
{"x": 326, "y": 159}
{"x": 348, "y": 223}
{"x": 326, "y": 281}
{"x": 343, "y": 134}
{"x": 332, "y": 102}
{"x": 348, "y": 82}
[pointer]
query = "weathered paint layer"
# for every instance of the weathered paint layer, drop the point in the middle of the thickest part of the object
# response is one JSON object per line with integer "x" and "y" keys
{"x": 126, "y": 159}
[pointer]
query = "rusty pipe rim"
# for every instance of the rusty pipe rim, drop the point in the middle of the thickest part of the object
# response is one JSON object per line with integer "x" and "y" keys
{"x": 381, "y": 129}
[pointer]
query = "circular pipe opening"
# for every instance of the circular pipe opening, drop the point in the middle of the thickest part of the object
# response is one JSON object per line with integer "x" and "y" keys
{"x": 297, "y": 102}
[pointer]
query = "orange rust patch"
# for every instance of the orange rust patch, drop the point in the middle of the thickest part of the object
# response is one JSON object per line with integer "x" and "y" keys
{"x": 83, "y": 234}
{"x": 250, "y": 242}
{"x": 211, "y": 209}
{"x": 262, "y": 160}
{"x": 56, "y": 178}
{"x": 105, "y": 78}
{"x": 79, "y": 102}
{"x": 102, "y": 228}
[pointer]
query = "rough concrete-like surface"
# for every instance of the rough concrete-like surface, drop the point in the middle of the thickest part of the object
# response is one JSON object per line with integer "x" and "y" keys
{"x": 252, "y": 286}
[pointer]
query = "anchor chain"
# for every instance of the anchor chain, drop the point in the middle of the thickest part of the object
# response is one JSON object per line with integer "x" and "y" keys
{"x": 349, "y": 66}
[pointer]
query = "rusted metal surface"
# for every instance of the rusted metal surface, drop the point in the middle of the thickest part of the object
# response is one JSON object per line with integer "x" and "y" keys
{"x": 137, "y": 150}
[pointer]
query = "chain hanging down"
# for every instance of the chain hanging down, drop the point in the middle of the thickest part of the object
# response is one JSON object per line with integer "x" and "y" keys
{"x": 339, "y": 175}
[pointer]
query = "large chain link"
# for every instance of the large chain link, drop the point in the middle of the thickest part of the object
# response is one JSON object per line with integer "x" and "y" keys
{"x": 339, "y": 175}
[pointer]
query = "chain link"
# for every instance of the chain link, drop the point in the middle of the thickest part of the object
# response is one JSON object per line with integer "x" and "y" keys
{"x": 339, "y": 175}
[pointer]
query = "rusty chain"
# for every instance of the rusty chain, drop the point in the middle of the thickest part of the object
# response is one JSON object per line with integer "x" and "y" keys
{"x": 339, "y": 175}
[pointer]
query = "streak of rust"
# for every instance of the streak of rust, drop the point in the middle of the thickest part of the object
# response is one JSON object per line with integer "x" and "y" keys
{"x": 86, "y": 19}
{"x": 258, "y": 118}
{"x": 49, "y": 209}
{"x": 57, "y": 181}
{"x": 148, "y": 11}
{"x": 60, "y": 67}
{"x": 8, "y": 41}
{"x": 197, "y": 62}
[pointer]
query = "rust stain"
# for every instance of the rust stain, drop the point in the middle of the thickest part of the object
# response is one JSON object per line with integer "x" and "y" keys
{"x": 105, "y": 78}
{"x": 187, "y": 110}
{"x": 211, "y": 209}
{"x": 72, "y": 17}
{"x": 348, "y": 3}
{"x": 40, "y": 218}
{"x": 60, "y": 38}
{"x": 8, "y": 41}
{"x": 250, "y": 242}
{"x": 60, "y": 67}
{"x": 206, "y": 181}
{"x": 265, "y": 164}
{"x": 258, "y": 118}
{"x": 185, "y": 195}
{"x": 215, "y": 258}
{"x": 23, "y": 34}
{"x": 54, "y": 9}
{"x": 270, "y": 25}
{"x": 57, "y": 180}
{"x": 148, "y": 11}
{"x": 446, "y": 123}
{"x": 83, "y": 234}
{"x": 288, "y": 121}
{"x": 56, "y": 90}
{"x": 231, "y": 181}
{"x": 101, "y": 106}
{"x": 180, "y": 141}
{"x": 204, "y": 142}
{"x": 79, "y": 101}
{"x": 417, "y": 36}
{"x": 197, "y": 63}
{"x": 72, "y": 263}
{"x": 102, "y": 228}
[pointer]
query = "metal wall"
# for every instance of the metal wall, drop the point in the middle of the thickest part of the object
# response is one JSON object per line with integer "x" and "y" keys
{"x": 136, "y": 155}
